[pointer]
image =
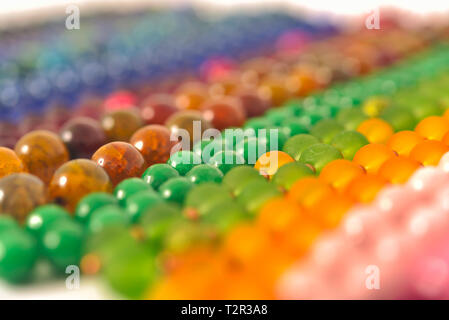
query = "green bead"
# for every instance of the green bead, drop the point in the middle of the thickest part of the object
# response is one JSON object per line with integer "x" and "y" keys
{"x": 294, "y": 127}
{"x": 62, "y": 243}
{"x": 351, "y": 118}
{"x": 38, "y": 221}
{"x": 18, "y": 254}
{"x": 276, "y": 137}
{"x": 289, "y": 173}
{"x": 400, "y": 118}
{"x": 128, "y": 187}
{"x": 255, "y": 194}
{"x": 225, "y": 216}
{"x": 424, "y": 110}
{"x": 202, "y": 198}
{"x": 236, "y": 178}
{"x": 326, "y": 129}
{"x": 8, "y": 223}
{"x": 204, "y": 173}
{"x": 183, "y": 161}
{"x": 141, "y": 202}
{"x": 175, "y": 190}
{"x": 258, "y": 123}
{"x": 92, "y": 202}
{"x": 297, "y": 144}
{"x": 252, "y": 148}
{"x": 158, "y": 173}
{"x": 349, "y": 142}
{"x": 278, "y": 115}
{"x": 226, "y": 160}
{"x": 318, "y": 155}
{"x": 106, "y": 217}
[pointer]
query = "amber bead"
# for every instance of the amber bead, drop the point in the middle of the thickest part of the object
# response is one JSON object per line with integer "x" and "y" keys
{"x": 253, "y": 104}
{"x": 82, "y": 137}
{"x": 75, "y": 179}
{"x": 275, "y": 89}
{"x": 224, "y": 113}
{"x": 9, "y": 162}
{"x": 20, "y": 193}
{"x": 154, "y": 143}
{"x": 120, "y": 160}
{"x": 42, "y": 153}
{"x": 157, "y": 108}
{"x": 120, "y": 125}
{"x": 191, "y": 95}
{"x": 188, "y": 120}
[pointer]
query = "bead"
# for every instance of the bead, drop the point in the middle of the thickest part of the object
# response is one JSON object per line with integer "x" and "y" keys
{"x": 372, "y": 156}
{"x": 252, "y": 104}
{"x": 76, "y": 179}
{"x": 7, "y": 223}
{"x": 188, "y": 122}
{"x": 252, "y": 148}
{"x": 222, "y": 217}
{"x": 41, "y": 218}
{"x": 62, "y": 244}
{"x": 120, "y": 100}
{"x": 140, "y": 203}
{"x": 289, "y": 173}
{"x": 318, "y": 155}
{"x": 339, "y": 173}
{"x": 295, "y": 145}
{"x": 403, "y": 142}
{"x": 82, "y": 137}
{"x": 433, "y": 128}
{"x": 326, "y": 129}
{"x": 278, "y": 214}
{"x": 120, "y": 160}
{"x": 400, "y": 118}
{"x": 92, "y": 202}
{"x": 9, "y": 162}
{"x": 397, "y": 170}
{"x": 309, "y": 192}
{"x": 183, "y": 161}
{"x": 365, "y": 187}
{"x": 351, "y": 118}
{"x": 175, "y": 189}
{"x": 429, "y": 152}
{"x": 128, "y": 187}
{"x": 376, "y": 130}
{"x": 20, "y": 194}
{"x": 158, "y": 173}
{"x": 255, "y": 194}
{"x": 120, "y": 125}
{"x": 205, "y": 198}
{"x": 224, "y": 113}
{"x": 106, "y": 217}
{"x": 19, "y": 255}
{"x": 274, "y": 89}
{"x": 349, "y": 142}
{"x": 236, "y": 178}
{"x": 329, "y": 213}
{"x": 154, "y": 143}
{"x": 190, "y": 95}
{"x": 204, "y": 173}
{"x": 372, "y": 107}
{"x": 226, "y": 160}
{"x": 42, "y": 153}
{"x": 156, "y": 109}
{"x": 269, "y": 163}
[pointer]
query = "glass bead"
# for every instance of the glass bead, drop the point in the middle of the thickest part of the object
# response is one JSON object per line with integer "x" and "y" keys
{"x": 176, "y": 189}
{"x": 204, "y": 173}
{"x": 349, "y": 142}
{"x": 339, "y": 173}
{"x": 236, "y": 178}
{"x": 318, "y": 155}
{"x": 192, "y": 122}
{"x": 433, "y": 128}
{"x": 429, "y": 152}
{"x": 376, "y": 130}
{"x": 326, "y": 129}
{"x": 269, "y": 163}
{"x": 372, "y": 156}
{"x": 364, "y": 188}
{"x": 92, "y": 202}
{"x": 255, "y": 194}
{"x": 183, "y": 161}
{"x": 295, "y": 145}
{"x": 397, "y": 170}
{"x": 202, "y": 199}
{"x": 140, "y": 203}
{"x": 154, "y": 143}
{"x": 41, "y": 218}
{"x": 107, "y": 216}
{"x": 403, "y": 142}
{"x": 226, "y": 160}
{"x": 128, "y": 187}
{"x": 158, "y": 173}
{"x": 289, "y": 173}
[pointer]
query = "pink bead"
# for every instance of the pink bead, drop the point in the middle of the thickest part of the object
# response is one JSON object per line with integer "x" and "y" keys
{"x": 120, "y": 100}
{"x": 444, "y": 163}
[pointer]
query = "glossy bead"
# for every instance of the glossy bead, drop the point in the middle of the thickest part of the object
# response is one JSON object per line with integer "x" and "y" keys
{"x": 433, "y": 128}
{"x": 106, "y": 217}
{"x": 269, "y": 163}
{"x": 429, "y": 152}
{"x": 120, "y": 100}
{"x": 308, "y": 192}
{"x": 365, "y": 187}
{"x": 226, "y": 160}
{"x": 7, "y": 223}
{"x": 154, "y": 143}
{"x": 82, "y": 137}
{"x": 376, "y": 130}
{"x": 397, "y": 170}
{"x": 339, "y": 173}
{"x": 20, "y": 194}
{"x": 289, "y": 173}
{"x": 204, "y": 199}
{"x": 42, "y": 153}
{"x": 445, "y": 139}
{"x": 326, "y": 129}
{"x": 330, "y": 213}
{"x": 175, "y": 189}
{"x": 183, "y": 161}
{"x": 372, "y": 107}
{"x": 158, "y": 173}
{"x": 349, "y": 142}
{"x": 120, "y": 125}
{"x": 41, "y": 218}
{"x": 141, "y": 202}
{"x": 255, "y": 194}
{"x": 351, "y": 118}
{"x": 76, "y": 179}
{"x": 372, "y": 156}
{"x": 400, "y": 118}
{"x": 9, "y": 162}
{"x": 120, "y": 160}
{"x": 295, "y": 145}
{"x": 204, "y": 173}
{"x": 19, "y": 255}
{"x": 236, "y": 178}
{"x": 252, "y": 148}
{"x": 190, "y": 95}
{"x": 156, "y": 109}
{"x": 224, "y": 113}
{"x": 62, "y": 244}
{"x": 192, "y": 122}
{"x": 278, "y": 214}
{"x": 92, "y": 202}
{"x": 318, "y": 155}
{"x": 128, "y": 187}
{"x": 403, "y": 142}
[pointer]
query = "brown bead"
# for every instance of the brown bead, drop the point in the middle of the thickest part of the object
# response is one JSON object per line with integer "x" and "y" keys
{"x": 187, "y": 120}
{"x": 42, "y": 153}
{"x": 224, "y": 113}
{"x": 120, "y": 125}
{"x": 274, "y": 89}
{"x": 20, "y": 193}
{"x": 9, "y": 162}
{"x": 157, "y": 108}
{"x": 120, "y": 160}
{"x": 252, "y": 103}
{"x": 191, "y": 95}
{"x": 76, "y": 179}
{"x": 154, "y": 143}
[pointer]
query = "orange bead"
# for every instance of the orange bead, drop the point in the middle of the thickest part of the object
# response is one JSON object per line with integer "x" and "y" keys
{"x": 446, "y": 139}
{"x": 365, "y": 188}
{"x": 191, "y": 95}
{"x": 372, "y": 156}
{"x": 376, "y": 130}
{"x": 397, "y": 170}
{"x": 329, "y": 213}
{"x": 339, "y": 173}
{"x": 278, "y": 214}
{"x": 308, "y": 192}
{"x": 269, "y": 163}
{"x": 274, "y": 90}
{"x": 403, "y": 142}
{"x": 446, "y": 114}
{"x": 429, "y": 152}
{"x": 433, "y": 128}
{"x": 9, "y": 162}
{"x": 300, "y": 238}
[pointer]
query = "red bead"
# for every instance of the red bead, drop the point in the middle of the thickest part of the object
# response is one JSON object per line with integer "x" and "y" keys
{"x": 224, "y": 113}
{"x": 156, "y": 109}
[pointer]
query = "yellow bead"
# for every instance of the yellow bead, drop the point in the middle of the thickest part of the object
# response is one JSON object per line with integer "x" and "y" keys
{"x": 374, "y": 106}
{"x": 339, "y": 173}
{"x": 429, "y": 152}
{"x": 372, "y": 156}
{"x": 403, "y": 142}
{"x": 397, "y": 170}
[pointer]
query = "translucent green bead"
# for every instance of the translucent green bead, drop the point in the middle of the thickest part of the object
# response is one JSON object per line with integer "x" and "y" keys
{"x": 158, "y": 173}
{"x": 318, "y": 155}
{"x": 258, "y": 123}
{"x": 204, "y": 173}
{"x": 349, "y": 142}
{"x": 128, "y": 187}
{"x": 289, "y": 173}
{"x": 400, "y": 118}
{"x": 138, "y": 204}
{"x": 254, "y": 195}
{"x": 226, "y": 160}
{"x": 252, "y": 148}
{"x": 238, "y": 177}
{"x": 202, "y": 198}
{"x": 351, "y": 118}
{"x": 326, "y": 129}
{"x": 183, "y": 161}
{"x": 92, "y": 202}
{"x": 40, "y": 219}
{"x": 106, "y": 217}
{"x": 224, "y": 216}
{"x": 297, "y": 144}
{"x": 294, "y": 126}
{"x": 175, "y": 190}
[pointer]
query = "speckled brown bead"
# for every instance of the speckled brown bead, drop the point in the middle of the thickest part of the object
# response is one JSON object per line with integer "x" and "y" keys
{"x": 154, "y": 143}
